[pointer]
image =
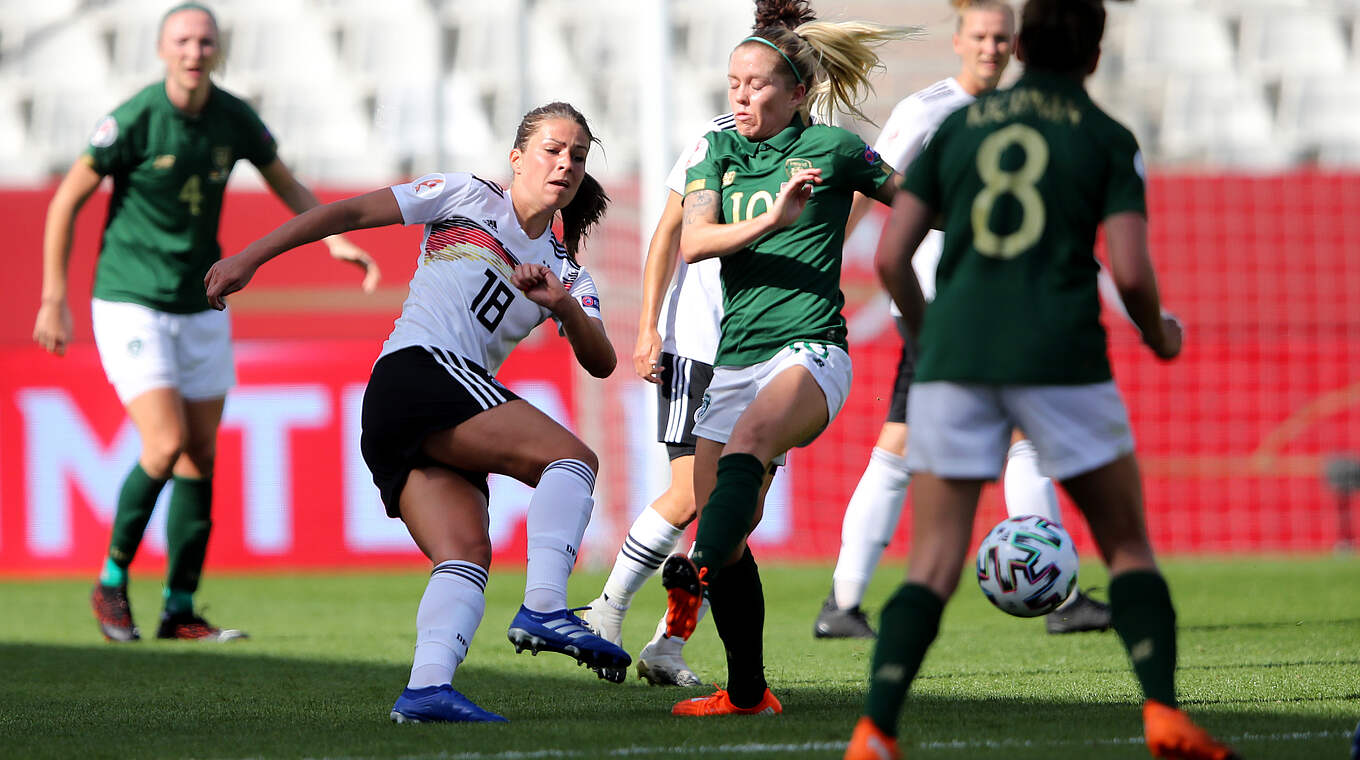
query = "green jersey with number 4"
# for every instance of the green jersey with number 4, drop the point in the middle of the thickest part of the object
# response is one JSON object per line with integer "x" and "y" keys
{"x": 169, "y": 173}
{"x": 1022, "y": 178}
{"x": 785, "y": 286}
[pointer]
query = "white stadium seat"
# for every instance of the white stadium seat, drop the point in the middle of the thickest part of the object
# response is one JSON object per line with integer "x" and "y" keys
{"x": 1165, "y": 39}
{"x": 1220, "y": 120}
{"x": 1322, "y": 114}
{"x": 1291, "y": 41}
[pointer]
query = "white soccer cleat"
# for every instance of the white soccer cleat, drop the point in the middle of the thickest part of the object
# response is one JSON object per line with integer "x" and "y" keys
{"x": 606, "y": 620}
{"x": 660, "y": 663}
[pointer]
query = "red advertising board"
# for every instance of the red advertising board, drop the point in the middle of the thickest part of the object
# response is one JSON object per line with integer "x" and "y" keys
{"x": 1234, "y": 436}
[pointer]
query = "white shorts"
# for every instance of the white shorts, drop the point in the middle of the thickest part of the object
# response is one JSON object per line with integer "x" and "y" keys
{"x": 963, "y": 430}
{"x": 143, "y": 349}
{"x": 734, "y": 388}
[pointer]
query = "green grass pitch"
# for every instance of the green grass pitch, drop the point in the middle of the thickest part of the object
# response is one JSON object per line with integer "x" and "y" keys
{"x": 1269, "y": 653}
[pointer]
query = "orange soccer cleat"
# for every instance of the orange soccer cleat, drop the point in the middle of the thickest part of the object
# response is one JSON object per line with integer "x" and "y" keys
{"x": 1170, "y": 734}
{"x": 684, "y": 584}
{"x": 718, "y": 703}
{"x": 869, "y": 743}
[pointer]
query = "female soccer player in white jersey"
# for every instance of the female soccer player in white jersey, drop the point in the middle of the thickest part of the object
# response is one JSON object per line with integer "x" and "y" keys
{"x": 435, "y": 419}
{"x": 983, "y": 40}
{"x": 677, "y": 339}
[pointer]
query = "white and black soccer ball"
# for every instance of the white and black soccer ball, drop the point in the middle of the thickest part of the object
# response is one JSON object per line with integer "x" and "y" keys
{"x": 1027, "y": 566}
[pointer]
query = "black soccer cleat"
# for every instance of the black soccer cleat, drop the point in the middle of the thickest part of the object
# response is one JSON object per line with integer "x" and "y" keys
{"x": 1081, "y": 614}
{"x": 836, "y": 623}
{"x": 188, "y": 626}
{"x": 113, "y": 613}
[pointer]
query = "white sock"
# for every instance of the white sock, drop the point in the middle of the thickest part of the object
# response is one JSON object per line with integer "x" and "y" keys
{"x": 1028, "y": 492}
{"x": 558, "y": 514}
{"x": 448, "y": 616}
{"x": 660, "y": 632}
{"x": 870, "y": 519}
{"x": 651, "y": 538}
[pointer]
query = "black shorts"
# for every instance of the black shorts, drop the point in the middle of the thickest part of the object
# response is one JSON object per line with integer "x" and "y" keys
{"x": 683, "y": 383}
{"x": 412, "y": 393}
{"x": 906, "y": 372}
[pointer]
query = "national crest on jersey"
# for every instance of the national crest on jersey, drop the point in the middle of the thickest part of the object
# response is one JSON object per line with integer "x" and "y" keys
{"x": 461, "y": 297}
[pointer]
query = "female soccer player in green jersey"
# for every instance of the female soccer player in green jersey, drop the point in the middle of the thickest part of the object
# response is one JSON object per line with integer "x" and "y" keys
{"x": 770, "y": 198}
{"x": 169, "y": 150}
{"x": 1022, "y": 178}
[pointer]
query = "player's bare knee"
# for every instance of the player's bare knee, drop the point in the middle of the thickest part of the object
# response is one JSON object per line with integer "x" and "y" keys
{"x": 160, "y": 453}
{"x": 676, "y": 505}
{"x": 197, "y": 461}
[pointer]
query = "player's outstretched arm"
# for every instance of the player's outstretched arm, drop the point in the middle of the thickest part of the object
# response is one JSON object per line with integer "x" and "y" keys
{"x": 656, "y": 276}
{"x": 52, "y": 327}
{"x": 1131, "y": 267}
{"x": 374, "y": 209}
{"x": 298, "y": 199}
{"x": 907, "y": 226}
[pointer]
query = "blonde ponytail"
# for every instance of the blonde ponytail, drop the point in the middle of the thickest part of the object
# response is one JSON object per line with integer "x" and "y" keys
{"x": 835, "y": 60}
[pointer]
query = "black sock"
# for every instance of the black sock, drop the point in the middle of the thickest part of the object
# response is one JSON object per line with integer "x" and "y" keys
{"x": 738, "y": 604}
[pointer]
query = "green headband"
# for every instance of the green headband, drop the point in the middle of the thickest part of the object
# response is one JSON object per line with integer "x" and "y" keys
{"x": 189, "y": 6}
{"x": 781, "y": 53}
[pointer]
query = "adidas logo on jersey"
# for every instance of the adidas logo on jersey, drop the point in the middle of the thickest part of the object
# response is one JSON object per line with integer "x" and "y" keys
{"x": 490, "y": 223}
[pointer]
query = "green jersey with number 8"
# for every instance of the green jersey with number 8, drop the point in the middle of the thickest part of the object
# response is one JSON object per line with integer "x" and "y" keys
{"x": 1022, "y": 178}
{"x": 169, "y": 173}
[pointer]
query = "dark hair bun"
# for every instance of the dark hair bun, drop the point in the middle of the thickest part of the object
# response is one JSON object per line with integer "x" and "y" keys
{"x": 786, "y": 13}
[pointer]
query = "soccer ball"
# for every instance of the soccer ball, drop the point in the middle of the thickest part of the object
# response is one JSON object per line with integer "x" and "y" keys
{"x": 1027, "y": 566}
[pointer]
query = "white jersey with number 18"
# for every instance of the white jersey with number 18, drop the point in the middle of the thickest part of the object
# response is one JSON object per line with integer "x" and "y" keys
{"x": 461, "y": 298}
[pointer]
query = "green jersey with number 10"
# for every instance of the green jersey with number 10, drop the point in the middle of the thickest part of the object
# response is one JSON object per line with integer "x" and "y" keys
{"x": 785, "y": 286}
{"x": 1022, "y": 178}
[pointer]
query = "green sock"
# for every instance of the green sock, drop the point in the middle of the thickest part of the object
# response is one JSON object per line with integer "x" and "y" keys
{"x": 738, "y": 606}
{"x": 730, "y": 512}
{"x": 178, "y": 601}
{"x": 136, "y": 500}
{"x": 187, "y": 528}
{"x": 910, "y": 622}
{"x": 113, "y": 574}
{"x": 1141, "y": 612}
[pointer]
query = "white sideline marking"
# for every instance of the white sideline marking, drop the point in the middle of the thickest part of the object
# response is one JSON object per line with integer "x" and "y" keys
{"x": 794, "y": 749}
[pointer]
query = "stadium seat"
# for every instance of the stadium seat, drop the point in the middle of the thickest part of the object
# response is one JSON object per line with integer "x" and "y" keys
{"x": 17, "y": 165}
{"x": 1220, "y": 120}
{"x": 1162, "y": 40}
{"x": 1277, "y": 42}
{"x": 62, "y": 117}
{"x": 1322, "y": 114}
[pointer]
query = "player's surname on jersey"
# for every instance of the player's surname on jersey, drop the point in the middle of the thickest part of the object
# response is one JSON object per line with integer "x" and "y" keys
{"x": 1023, "y": 102}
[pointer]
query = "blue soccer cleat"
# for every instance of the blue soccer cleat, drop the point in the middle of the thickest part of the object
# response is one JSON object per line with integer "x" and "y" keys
{"x": 561, "y": 631}
{"x": 439, "y": 704}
